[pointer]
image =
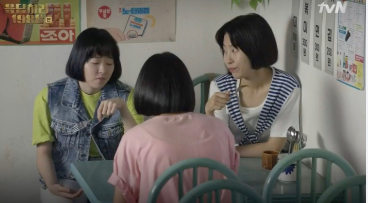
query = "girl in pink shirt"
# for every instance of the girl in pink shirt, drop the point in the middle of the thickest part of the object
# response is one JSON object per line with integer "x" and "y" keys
{"x": 164, "y": 90}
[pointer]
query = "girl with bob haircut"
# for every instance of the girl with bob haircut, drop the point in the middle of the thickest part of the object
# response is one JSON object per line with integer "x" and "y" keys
{"x": 164, "y": 90}
{"x": 257, "y": 101}
{"x": 81, "y": 117}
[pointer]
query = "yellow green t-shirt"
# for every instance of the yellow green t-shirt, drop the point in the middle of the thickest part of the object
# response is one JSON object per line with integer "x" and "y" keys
{"x": 42, "y": 132}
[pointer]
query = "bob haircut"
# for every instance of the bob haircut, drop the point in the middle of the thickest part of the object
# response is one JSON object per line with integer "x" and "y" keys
{"x": 90, "y": 43}
{"x": 164, "y": 86}
{"x": 253, "y": 35}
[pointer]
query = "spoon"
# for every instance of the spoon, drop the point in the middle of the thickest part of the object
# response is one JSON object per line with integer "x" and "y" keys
{"x": 303, "y": 141}
{"x": 292, "y": 136}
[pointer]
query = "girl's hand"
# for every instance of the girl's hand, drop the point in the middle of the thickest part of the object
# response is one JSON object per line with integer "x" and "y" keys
{"x": 108, "y": 107}
{"x": 61, "y": 191}
{"x": 217, "y": 102}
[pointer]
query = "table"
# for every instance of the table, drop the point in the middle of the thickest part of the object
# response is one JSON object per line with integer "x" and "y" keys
{"x": 252, "y": 173}
{"x": 92, "y": 176}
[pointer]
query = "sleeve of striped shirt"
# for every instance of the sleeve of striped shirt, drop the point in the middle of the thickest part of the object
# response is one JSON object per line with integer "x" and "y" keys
{"x": 288, "y": 115}
{"x": 220, "y": 114}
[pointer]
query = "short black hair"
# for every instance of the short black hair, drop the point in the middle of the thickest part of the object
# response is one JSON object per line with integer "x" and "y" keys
{"x": 89, "y": 43}
{"x": 253, "y": 35}
{"x": 163, "y": 86}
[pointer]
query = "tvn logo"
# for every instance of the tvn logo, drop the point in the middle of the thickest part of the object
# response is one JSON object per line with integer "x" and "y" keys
{"x": 338, "y": 7}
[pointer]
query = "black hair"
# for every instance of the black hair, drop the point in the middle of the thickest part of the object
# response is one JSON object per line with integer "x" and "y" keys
{"x": 253, "y": 35}
{"x": 163, "y": 86}
{"x": 89, "y": 43}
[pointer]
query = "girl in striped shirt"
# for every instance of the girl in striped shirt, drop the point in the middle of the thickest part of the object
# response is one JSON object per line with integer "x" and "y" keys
{"x": 257, "y": 101}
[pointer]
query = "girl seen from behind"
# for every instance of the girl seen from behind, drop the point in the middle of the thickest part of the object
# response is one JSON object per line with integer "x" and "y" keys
{"x": 164, "y": 90}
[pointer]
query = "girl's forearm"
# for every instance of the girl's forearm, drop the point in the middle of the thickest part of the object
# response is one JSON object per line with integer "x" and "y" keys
{"x": 45, "y": 164}
{"x": 127, "y": 119}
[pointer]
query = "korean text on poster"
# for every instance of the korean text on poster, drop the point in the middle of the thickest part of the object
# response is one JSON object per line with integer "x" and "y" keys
{"x": 317, "y": 35}
{"x": 329, "y": 39}
{"x": 131, "y": 21}
{"x": 39, "y": 21}
{"x": 295, "y": 18}
{"x": 306, "y": 11}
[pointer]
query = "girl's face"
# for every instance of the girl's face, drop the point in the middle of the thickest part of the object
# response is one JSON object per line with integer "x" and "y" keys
{"x": 235, "y": 60}
{"x": 97, "y": 71}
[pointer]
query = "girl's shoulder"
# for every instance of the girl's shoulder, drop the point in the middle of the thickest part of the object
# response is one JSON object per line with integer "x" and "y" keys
{"x": 224, "y": 77}
{"x": 122, "y": 86}
{"x": 59, "y": 82}
{"x": 286, "y": 78}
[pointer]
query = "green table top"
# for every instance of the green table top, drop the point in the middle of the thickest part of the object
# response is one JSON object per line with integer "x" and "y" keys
{"x": 93, "y": 175}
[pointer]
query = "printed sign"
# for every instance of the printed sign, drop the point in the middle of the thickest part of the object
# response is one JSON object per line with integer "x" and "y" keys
{"x": 39, "y": 21}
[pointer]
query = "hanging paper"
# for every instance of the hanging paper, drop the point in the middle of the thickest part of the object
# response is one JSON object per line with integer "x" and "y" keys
{"x": 306, "y": 10}
{"x": 350, "y": 45}
{"x": 329, "y": 38}
{"x": 40, "y": 22}
{"x": 295, "y": 15}
{"x": 317, "y": 35}
{"x": 131, "y": 21}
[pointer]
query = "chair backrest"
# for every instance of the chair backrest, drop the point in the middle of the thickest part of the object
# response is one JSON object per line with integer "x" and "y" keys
{"x": 298, "y": 157}
{"x": 180, "y": 167}
{"x": 205, "y": 81}
{"x": 342, "y": 185}
{"x": 235, "y": 187}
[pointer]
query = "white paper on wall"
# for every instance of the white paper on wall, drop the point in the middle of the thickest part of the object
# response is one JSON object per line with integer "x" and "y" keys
{"x": 306, "y": 14}
{"x": 329, "y": 39}
{"x": 317, "y": 35}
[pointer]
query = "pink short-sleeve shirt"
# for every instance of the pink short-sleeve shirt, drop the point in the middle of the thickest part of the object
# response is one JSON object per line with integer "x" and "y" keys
{"x": 150, "y": 148}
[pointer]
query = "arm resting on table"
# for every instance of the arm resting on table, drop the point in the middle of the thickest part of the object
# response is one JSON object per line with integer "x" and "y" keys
{"x": 45, "y": 163}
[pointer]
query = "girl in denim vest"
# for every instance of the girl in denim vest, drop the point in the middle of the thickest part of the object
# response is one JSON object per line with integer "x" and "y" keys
{"x": 81, "y": 117}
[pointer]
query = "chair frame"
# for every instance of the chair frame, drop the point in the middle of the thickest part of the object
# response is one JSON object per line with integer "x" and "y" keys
{"x": 205, "y": 81}
{"x": 178, "y": 168}
{"x": 217, "y": 185}
{"x": 349, "y": 182}
{"x": 298, "y": 157}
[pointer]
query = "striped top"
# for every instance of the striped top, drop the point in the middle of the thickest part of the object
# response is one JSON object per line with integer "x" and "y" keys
{"x": 282, "y": 86}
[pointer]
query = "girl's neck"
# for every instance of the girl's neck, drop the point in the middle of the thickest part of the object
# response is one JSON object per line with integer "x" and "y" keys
{"x": 258, "y": 78}
{"x": 87, "y": 88}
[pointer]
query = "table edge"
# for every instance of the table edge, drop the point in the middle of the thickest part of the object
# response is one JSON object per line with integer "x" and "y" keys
{"x": 83, "y": 184}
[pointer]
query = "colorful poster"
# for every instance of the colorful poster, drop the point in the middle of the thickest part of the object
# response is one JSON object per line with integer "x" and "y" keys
{"x": 351, "y": 45}
{"x": 40, "y": 22}
{"x": 306, "y": 14}
{"x": 329, "y": 39}
{"x": 134, "y": 21}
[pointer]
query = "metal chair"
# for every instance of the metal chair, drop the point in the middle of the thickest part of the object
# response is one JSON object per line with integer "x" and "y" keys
{"x": 298, "y": 157}
{"x": 349, "y": 182}
{"x": 178, "y": 168}
{"x": 205, "y": 81}
{"x": 237, "y": 189}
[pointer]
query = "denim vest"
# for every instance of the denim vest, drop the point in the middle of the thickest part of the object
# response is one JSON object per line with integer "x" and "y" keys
{"x": 74, "y": 130}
